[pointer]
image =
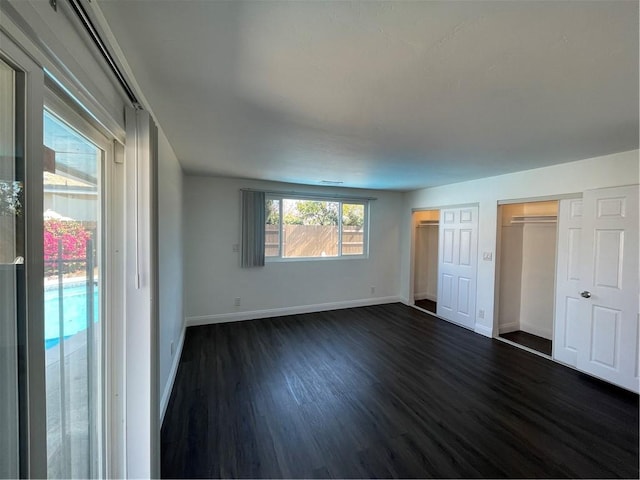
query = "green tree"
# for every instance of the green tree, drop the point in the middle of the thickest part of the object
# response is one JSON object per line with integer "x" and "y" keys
{"x": 312, "y": 212}
{"x": 272, "y": 212}
{"x": 10, "y": 198}
{"x": 292, "y": 218}
{"x": 352, "y": 215}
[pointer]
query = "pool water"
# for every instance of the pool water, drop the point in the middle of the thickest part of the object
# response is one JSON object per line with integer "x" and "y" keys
{"x": 75, "y": 313}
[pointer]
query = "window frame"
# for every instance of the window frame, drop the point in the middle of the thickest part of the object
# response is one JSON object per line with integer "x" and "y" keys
{"x": 110, "y": 184}
{"x": 365, "y": 202}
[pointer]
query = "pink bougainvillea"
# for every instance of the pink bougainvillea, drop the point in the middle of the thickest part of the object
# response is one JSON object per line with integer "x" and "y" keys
{"x": 74, "y": 239}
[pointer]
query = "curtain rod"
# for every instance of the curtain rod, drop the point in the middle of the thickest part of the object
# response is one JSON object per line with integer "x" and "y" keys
{"x": 81, "y": 13}
{"x": 308, "y": 194}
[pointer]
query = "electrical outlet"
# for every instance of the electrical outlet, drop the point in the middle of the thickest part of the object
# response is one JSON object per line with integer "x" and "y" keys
{"x": 480, "y": 313}
{"x": 373, "y": 290}
{"x": 236, "y": 247}
{"x": 173, "y": 348}
{"x": 236, "y": 301}
{"x": 487, "y": 256}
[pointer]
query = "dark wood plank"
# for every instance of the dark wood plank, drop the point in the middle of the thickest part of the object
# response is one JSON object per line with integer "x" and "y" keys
{"x": 428, "y": 305}
{"x": 534, "y": 342}
{"x": 386, "y": 392}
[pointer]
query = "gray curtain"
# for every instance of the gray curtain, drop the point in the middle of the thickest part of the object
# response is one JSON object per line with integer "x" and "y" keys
{"x": 253, "y": 218}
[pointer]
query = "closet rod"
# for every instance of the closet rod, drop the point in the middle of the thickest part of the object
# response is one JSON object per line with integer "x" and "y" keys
{"x": 532, "y": 221}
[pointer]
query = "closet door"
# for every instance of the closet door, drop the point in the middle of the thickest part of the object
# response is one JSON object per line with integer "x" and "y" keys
{"x": 608, "y": 313}
{"x": 566, "y": 325}
{"x": 458, "y": 265}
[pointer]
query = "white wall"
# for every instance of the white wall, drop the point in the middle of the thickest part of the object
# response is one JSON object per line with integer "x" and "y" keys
{"x": 567, "y": 178}
{"x": 77, "y": 206}
{"x": 538, "y": 279}
{"x": 170, "y": 268}
{"x": 510, "y": 278}
{"x": 214, "y": 277}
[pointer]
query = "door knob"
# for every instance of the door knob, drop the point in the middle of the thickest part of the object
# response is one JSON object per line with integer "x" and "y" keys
{"x": 585, "y": 294}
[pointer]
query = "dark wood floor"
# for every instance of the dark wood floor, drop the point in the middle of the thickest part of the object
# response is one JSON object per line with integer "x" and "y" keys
{"x": 386, "y": 391}
{"x": 535, "y": 342}
{"x": 429, "y": 305}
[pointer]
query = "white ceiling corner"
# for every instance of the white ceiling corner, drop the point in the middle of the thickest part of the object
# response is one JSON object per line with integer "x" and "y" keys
{"x": 390, "y": 95}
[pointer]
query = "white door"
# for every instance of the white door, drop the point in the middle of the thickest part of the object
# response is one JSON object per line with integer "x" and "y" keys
{"x": 458, "y": 265}
{"x": 608, "y": 314}
{"x": 566, "y": 325}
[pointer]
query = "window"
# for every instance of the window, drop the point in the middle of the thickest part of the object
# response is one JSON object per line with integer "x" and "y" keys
{"x": 315, "y": 228}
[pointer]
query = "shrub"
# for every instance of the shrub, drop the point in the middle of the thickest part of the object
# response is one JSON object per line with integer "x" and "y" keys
{"x": 74, "y": 243}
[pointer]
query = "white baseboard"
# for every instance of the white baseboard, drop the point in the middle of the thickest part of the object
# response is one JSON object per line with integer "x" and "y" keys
{"x": 166, "y": 394}
{"x": 509, "y": 327}
{"x": 280, "y": 312}
{"x": 483, "y": 330}
{"x": 536, "y": 330}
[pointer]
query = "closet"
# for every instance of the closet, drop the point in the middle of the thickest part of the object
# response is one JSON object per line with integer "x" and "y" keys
{"x": 527, "y": 268}
{"x": 425, "y": 271}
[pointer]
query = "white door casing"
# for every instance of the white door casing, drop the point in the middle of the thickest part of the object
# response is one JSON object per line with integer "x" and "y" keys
{"x": 458, "y": 265}
{"x": 608, "y": 313}
{"x": 566, "y": 325}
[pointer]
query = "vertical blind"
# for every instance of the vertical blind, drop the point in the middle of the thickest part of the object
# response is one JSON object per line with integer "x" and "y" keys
{"x": 253, "y": 229}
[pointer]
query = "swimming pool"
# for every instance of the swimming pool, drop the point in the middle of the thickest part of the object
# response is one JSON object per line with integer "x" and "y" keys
{"x": 75, "y": 312}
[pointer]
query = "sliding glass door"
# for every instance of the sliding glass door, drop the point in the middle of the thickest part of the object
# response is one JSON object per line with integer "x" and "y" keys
{"x": 11, "y": 271}
{"x": 61, "y": 224}
{"x": 73, "y": 197}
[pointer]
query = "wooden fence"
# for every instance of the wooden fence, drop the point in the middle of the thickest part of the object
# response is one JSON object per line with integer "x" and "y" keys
{"x": 313, "y": 241}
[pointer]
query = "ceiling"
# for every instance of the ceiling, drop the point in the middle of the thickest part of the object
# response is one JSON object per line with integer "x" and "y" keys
{"x": 391, "y": 95}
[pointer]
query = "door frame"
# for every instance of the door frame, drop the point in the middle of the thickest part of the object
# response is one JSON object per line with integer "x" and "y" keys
{"x": 32, "y": 421}
{"x": 413, "y": 252}
{"x": 110, "y": 246}
{"x": 40, "y": 66}
{"x": 412, "y": 261}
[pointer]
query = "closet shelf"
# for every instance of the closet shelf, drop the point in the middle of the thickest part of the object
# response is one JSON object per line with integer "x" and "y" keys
{"x": 427, "y": 223}
{"x": 534, "y": 219}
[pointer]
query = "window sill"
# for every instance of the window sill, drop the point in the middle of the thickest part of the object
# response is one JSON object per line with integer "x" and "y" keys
{"x": 314, "y": 259}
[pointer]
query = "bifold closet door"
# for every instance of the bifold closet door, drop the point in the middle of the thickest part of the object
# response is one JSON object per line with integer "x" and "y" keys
{"x": 458, "y": 265}
{"x": 566, "y": 325}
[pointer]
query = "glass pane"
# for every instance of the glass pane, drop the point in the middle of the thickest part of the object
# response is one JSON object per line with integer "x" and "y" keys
{"x": 272, "y": 229}
{"x": 310, "y": 228}
{"x": 11, "y": 264}
{"x": 72, "y": 200}
{"x": 352, "y": 229}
